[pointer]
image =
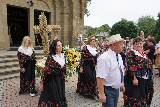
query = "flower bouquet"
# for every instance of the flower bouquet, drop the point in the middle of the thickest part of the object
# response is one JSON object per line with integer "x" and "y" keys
{"x": 72, "y": 60}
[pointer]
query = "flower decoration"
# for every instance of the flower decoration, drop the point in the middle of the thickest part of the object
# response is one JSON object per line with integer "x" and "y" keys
{"x": 72, "y": 60}
{"x": 40, "y": 65}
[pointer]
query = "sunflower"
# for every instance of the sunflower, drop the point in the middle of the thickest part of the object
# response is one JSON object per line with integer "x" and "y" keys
{"x": 69, "y": 56}
{"x": 72, "y": 60}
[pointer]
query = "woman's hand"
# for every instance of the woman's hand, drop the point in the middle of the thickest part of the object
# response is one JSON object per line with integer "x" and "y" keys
{"x": 22, "y": 70}
{"x": 41, "y": 86}
{"x": 81, "y": 69}
{"x": 135, "y": 81}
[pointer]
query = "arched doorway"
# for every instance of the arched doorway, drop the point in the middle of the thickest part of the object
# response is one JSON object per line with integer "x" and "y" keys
{"x": 17, "y": 20}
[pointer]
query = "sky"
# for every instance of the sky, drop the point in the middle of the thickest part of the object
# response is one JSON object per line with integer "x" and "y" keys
{"x": 112, "y": 11}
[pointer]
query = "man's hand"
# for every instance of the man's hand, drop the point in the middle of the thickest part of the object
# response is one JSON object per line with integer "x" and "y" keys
{"x": 102, "y": 98}
{"x": 122, "y": 88}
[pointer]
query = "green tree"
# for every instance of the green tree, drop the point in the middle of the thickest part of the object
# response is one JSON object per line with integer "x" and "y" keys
{"x": 103, "y": 28}
{"x": 90, "y": 30}
{"x": 124, "y": 28}
{"x": 157, "y": 29}
{"x": 93, "y": 31}
{"x": 147, "y": 25}
{"x": 86, "y": 11}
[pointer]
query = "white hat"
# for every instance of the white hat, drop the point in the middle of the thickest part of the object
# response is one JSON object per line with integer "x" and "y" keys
{"x": 115, "y": 38}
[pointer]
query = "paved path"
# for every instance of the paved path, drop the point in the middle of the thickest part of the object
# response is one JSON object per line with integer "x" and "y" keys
{"x": 9, "y": 96}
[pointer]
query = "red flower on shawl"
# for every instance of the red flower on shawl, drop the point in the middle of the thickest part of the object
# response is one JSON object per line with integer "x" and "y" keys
{"x": 50, "y": 62}
{"x": 45, "y": 69}
{"x": 133, "y": 68}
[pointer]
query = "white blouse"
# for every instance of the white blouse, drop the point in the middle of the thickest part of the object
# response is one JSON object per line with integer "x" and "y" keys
{"x": 138, "y": 54}
{"x": 60, "y": 59}
{"x": 92, "y": 50}
{"x": 27, "y": 51}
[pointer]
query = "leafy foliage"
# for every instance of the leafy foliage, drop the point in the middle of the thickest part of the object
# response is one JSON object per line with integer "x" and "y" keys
{"x": 93, "y": 31}
{"x": 89, "y": 30}
{"x": 86, "y": 11}
{"x": 147, "y": 24}
{"x": 103, "y": 28}
{"x": 157, "y": 30}
{"x": 124, "y": 28}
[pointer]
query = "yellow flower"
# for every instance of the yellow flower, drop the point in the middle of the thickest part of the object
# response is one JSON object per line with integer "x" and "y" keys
{"x": 73, "y": 62}
{"x": 69, "y": 56}
{"x": 69, "y": 51}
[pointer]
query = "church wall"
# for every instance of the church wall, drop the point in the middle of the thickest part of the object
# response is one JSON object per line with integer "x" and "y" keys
{"x": 60, "y": 17}
{"x": 68, "y": 19}
{"x": 76, "y": 21}
{"x": 63, "y": 13}
{"x": 4, "y": 39}
{"x": 38, "y": 5}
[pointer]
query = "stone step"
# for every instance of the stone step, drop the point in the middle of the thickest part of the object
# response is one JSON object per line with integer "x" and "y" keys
{"x": 5, "y": 60}
{"x": 8, "y": 56}
{"x": 13, "y": 58}
{"x": 4, "y": 77}
{"x": 9, "y": 65}
{"x": 15, "y": 55}
{"x": 16, "y": 48}
{"x": 8, "y": 71}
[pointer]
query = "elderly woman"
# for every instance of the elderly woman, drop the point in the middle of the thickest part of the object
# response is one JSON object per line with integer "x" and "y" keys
{"x": 27, "y": 62}
{"x": 53, "y": 80}
{"x": 138, "y": 79}
{"x": 86, "y": 85}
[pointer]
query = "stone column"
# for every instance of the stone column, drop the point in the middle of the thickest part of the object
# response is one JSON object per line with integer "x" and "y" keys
{"x": 68, "y": 18}
{"x": 52, "y": 20}
{"x": 60, "y": 17}
{"x": 31, "y": 24}
{"x": 76, "y": 21}
{"x": 4, "y": 37}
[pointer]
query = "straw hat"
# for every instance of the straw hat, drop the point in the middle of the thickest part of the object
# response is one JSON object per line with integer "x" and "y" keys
{"x": 114, "y": 39}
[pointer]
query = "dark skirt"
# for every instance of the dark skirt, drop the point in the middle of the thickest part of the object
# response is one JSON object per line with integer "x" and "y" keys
{"x": 149, "y": 91}
{"x": 86, "y": 85}
{"x": 134, "y": 96}
{"x": 53, "y": 94}
{"x": 27, "y": 79}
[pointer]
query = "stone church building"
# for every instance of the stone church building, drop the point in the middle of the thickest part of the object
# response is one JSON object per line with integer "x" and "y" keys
{"x": 17, "y": 18}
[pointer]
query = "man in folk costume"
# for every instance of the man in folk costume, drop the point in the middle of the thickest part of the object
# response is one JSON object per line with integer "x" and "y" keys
{"x": 110, "y": 71}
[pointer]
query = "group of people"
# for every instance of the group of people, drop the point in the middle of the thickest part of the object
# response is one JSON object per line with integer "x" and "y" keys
{"x": 101, "y": 74}
{"x": 52, "y": 85}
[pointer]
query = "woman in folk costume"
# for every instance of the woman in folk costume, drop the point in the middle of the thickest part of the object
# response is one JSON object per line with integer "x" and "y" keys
{"x": 86, "y": 85}
{"x": 138, "y": 79}
{"x": 53, "y": 79}
{"x": 157, "y": 62}
{"x": 26, "y": 57}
